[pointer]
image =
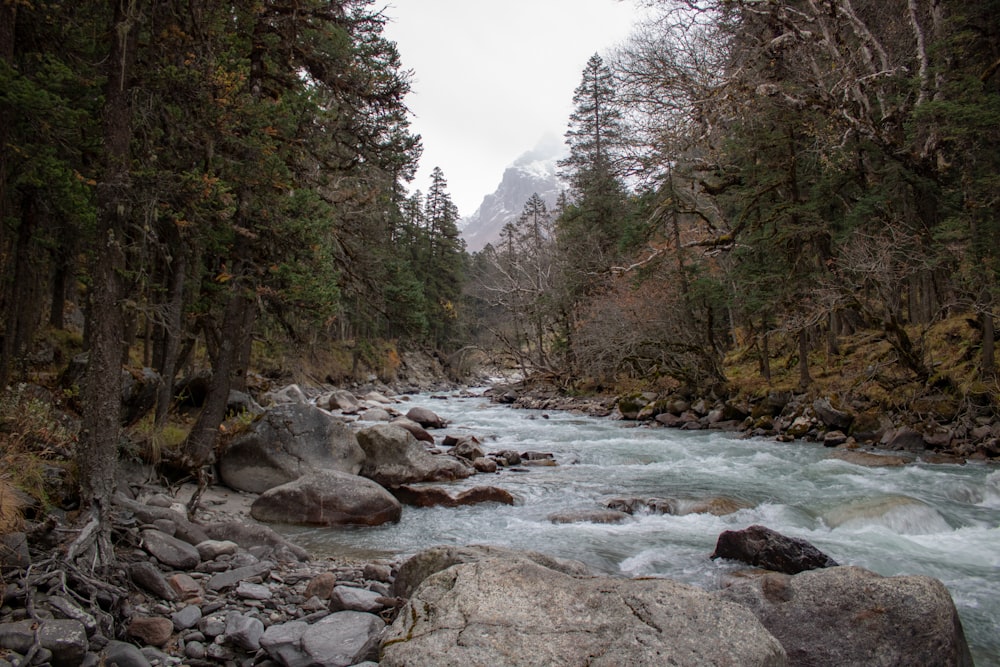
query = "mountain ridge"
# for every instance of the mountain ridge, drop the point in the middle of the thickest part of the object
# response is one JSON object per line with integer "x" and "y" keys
{"x": 535, "y": 171}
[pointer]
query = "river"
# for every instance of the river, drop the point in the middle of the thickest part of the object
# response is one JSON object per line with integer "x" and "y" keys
{"x": 938, "y": 520}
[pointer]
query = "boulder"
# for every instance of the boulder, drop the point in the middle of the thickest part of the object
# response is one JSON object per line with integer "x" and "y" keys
{"x": 426, "y": 418}
{"x": 425, "y": 563}
{"x": 352, "y": 598}
{"x": 291, "y": 394}
{"x": 394, "y": 457}
{"x": 287, "y": 442}
{"x": 850, "y": 616}
{"x": 415, "y": 429}
{"x": 66, "y": 639}
{"x": 903, "y": 438}
{"x": 769, "y": 549}
{"x": 432, "y": 496}
{"x": 339, "y": 640}
{"x": 511, "y": 610}
{"x": 831, "y": 416}
{"x": 485, "y": 465}
{"x": 375, "y": 415}
{"x": 327, "y": 498}
{"x": 468, "y": 449}
{"x": 340, "y": 399}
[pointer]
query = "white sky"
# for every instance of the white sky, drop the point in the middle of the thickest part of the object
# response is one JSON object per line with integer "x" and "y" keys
{"x": 492, "y": 77}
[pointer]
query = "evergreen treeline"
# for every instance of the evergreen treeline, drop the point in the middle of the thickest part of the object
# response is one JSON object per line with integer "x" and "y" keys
{"x": 203, "y": 175}
{"x": 761, "y": 175}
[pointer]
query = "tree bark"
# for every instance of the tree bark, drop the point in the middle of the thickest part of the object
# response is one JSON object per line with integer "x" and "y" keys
{"x": 804, "y": 378}
{"x": 101, "y": 427}
{"x": 988, "y": 367}
{"x": 199, "y": 448}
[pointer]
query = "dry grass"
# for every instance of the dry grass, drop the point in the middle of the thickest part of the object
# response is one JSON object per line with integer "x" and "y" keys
{"x": 866, "y": 366}
{"x": 11, "y": 506}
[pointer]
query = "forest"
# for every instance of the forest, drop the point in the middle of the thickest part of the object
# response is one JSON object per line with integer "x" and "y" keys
{"x": 765, "y": 185}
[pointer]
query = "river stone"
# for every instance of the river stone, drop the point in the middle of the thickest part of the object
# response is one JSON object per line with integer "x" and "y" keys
{"x": 340, "y": 399}
{"x": 868, "y": 459}
{"x": 352, "y": 598}
{"x": 831, "y": 416}
{"x": 170, "y": 550}
{"x": 394, "y": 457}
{"x": 507, "y": 611}
{"x": 375, "y": 415}
{"x": 903, "y": 438}
{"x": 286, "y": 443}
{"x": 243, "y": 632}
{"x": 186, "y": 618}
{"x": 327, "y": 498}
{"x": 415, "y": 429}
{"x": 212, "y": 549}
{"x": 426, "y": 418}
{"x": 65, "y": 639}
{"x": 342, "y": 639}
{"x": 433, "y": 496}
{"x": 468, "y": 448}
{"x": 769, "y": 549}
{"x": 152, "y": 630}
{"x": 257, "y": 537}
{"x": 425, "y": 563}
{"x": 588, "y": 516}
{"x": 149, "y": 578}
{"x": 230, "y": 578}
{"x": 851, "y": 616}
{"x": 123, "y": 654}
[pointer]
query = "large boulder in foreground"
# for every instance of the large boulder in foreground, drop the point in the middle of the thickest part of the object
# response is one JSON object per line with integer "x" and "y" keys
{"x": 394, "y": 457}
{"x": 286, "y": 443}
{"x": 513, "y": 611}
{"x": 430, "y": 561}
{"x": 850, "y": 616}
{"x": 769, "y": 549}
{"x": 327, "y": 498}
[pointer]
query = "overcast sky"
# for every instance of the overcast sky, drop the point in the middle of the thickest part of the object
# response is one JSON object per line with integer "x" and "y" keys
{"x": 491, "y": 78}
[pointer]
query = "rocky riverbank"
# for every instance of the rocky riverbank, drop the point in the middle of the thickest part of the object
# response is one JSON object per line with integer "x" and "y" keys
{"x": 222, "y": 588}
{"x": 933, "y": 428}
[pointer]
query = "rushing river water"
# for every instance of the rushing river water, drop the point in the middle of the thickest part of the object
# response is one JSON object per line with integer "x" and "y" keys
{"x": 937, "y": 520}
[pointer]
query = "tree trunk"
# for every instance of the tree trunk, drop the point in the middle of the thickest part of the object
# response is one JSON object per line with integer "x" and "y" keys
{"x": 988, "y": 368}
{"x": 199, "y": 448}
{"x": 171, "y": 333}
{"x": 103, "y": 381}
{"x": 22, "y": 307}
{"x": 804, "y": 378}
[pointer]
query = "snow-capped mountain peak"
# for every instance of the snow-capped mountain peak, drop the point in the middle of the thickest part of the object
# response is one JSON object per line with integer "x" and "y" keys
{"x": 535, "y": 171}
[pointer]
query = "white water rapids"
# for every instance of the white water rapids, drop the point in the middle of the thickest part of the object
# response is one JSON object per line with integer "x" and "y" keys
{"x": 938, "y": 520}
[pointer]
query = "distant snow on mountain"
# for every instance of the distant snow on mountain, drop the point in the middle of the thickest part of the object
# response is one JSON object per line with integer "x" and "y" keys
{"x": 534, "y": 171}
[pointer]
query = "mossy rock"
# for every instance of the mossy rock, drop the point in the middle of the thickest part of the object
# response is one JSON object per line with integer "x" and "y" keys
{"x": 867, "y": 426}
{"x": 630, "y": 406}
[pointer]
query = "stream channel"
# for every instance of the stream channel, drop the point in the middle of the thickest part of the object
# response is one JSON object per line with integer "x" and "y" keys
{"x": 937, "y": 520}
